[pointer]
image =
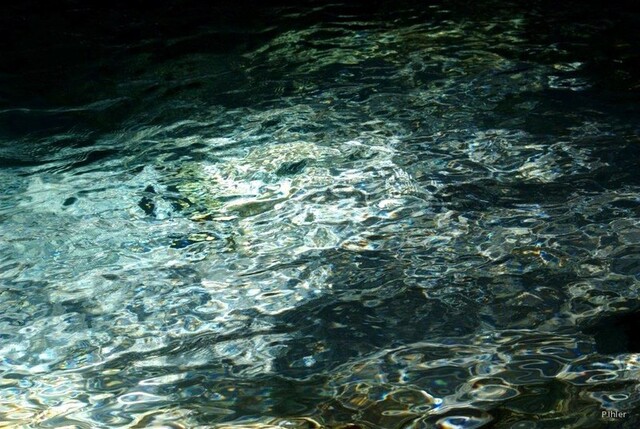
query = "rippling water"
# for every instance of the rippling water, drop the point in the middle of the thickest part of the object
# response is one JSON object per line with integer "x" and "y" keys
{"x": 323, "y": 215}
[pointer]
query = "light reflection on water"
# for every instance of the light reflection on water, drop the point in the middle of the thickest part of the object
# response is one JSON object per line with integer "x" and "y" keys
{"x": 378, "y": 223}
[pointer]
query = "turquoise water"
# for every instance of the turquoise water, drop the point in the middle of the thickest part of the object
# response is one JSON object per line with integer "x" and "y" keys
{"x": 329, "y": 216}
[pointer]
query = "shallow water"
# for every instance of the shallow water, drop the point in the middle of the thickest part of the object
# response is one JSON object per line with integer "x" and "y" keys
{"x": 322, "y": 215}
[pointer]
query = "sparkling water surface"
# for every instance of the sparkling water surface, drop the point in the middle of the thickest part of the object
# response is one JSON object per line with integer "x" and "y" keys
{"x": 392, "y": 215}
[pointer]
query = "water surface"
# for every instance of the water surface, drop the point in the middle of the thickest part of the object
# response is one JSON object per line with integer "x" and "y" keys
{"x": 320, "y": 215}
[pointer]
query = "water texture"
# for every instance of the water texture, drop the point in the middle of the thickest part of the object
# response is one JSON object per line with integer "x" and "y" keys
{"x": 390, "y": 215}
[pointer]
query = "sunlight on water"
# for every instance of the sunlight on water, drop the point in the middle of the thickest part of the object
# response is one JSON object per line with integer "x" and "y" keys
{"x": 355, "y": 223}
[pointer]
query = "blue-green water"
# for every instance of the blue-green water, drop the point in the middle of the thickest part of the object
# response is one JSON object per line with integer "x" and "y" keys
{"x": 321, "y": 215}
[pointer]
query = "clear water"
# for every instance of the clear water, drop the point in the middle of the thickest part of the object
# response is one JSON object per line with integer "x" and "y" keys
{"x": 329, "y": 216}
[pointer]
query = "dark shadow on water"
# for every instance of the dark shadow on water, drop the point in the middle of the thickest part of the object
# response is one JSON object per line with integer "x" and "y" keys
{"x": 617, "y": 334}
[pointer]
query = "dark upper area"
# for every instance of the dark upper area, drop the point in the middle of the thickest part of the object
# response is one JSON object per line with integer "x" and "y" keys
{"x": 46, "y": 45}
